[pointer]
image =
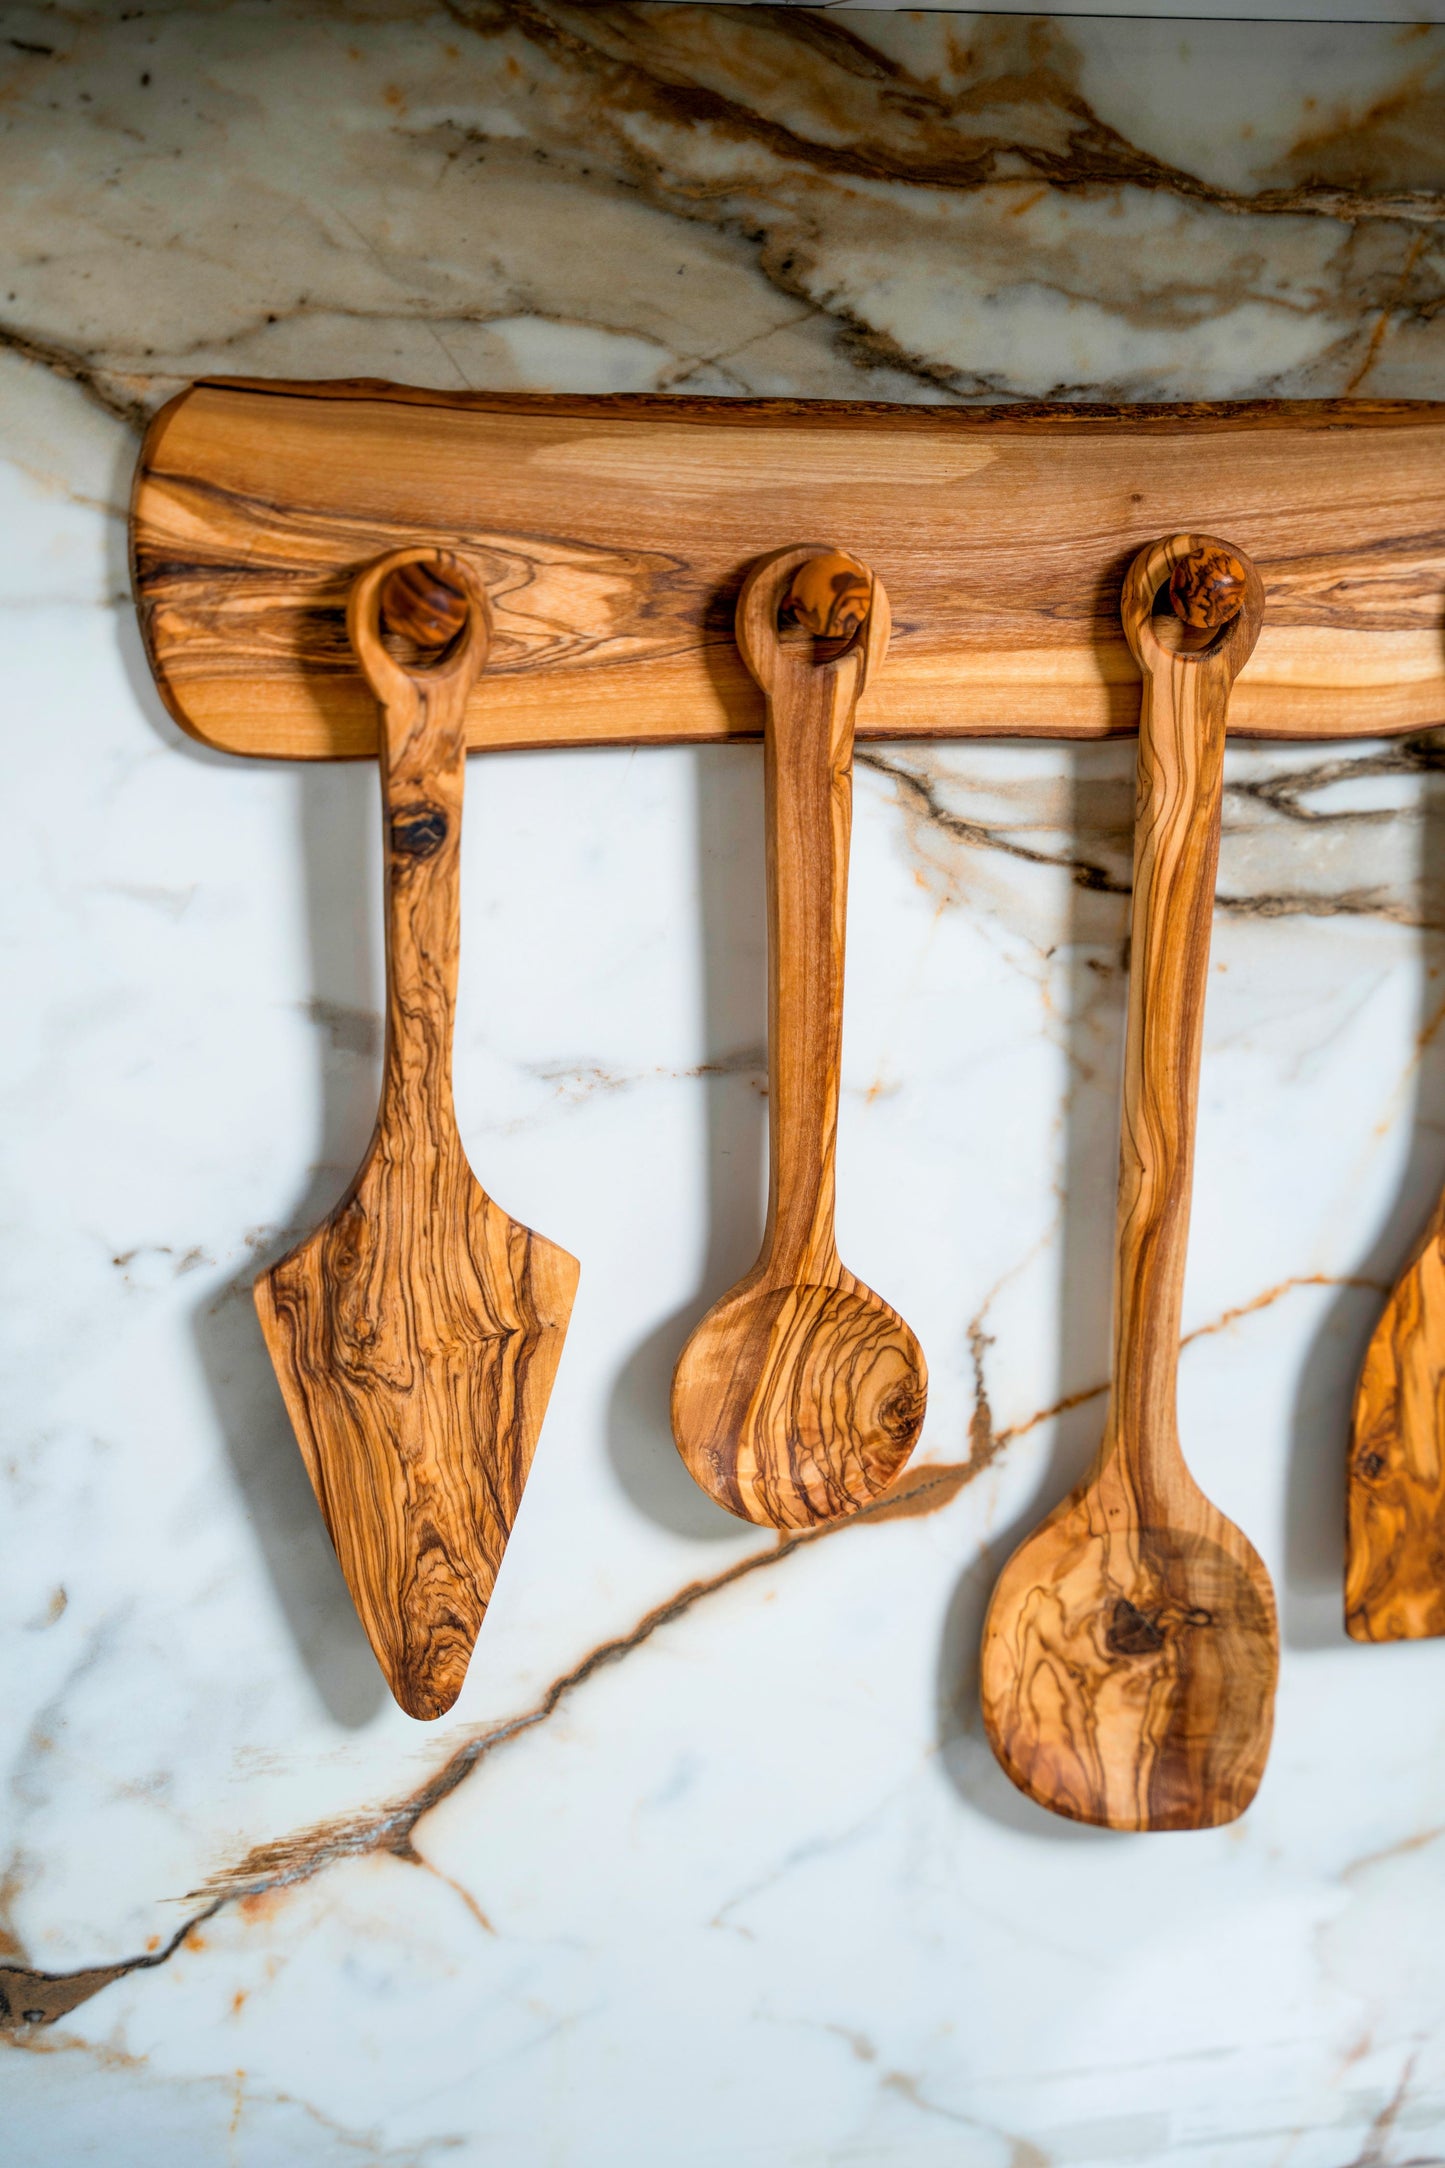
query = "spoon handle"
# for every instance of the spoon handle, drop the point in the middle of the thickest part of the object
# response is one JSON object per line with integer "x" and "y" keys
{"x": 1176, "y": 851}
{"x": 808, "y": 791}
{"x": 422, "y": 715}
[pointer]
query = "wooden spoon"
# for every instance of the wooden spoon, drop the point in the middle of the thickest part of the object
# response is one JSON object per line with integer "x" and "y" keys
{"x": 801, "y": 1394}
{"x": 1395, "y": 1489}
{"x": 1131, "y": 1648}
{"x": 417, "y": 1332}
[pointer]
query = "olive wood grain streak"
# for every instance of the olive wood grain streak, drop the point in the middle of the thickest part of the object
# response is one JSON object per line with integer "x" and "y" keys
{"x": 416, "y": 1333}
{"x": 1395, "y": 1492}
{"x": 613, "y": 534}
{"x": 1131, "y": 1645}
{"x": 801, "y": 1393}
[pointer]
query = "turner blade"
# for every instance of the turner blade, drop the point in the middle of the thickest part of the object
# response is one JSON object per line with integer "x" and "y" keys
{"x": 416, "y": 1366}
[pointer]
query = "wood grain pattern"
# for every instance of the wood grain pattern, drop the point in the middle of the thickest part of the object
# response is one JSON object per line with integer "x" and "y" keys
{"x": 801, "y": 1393}
{"x": 1395, "y": 1490}
{"x": 1131, "y": 1647}
{"x": 613, "y": 535}
{"x": 416, "y": 1333}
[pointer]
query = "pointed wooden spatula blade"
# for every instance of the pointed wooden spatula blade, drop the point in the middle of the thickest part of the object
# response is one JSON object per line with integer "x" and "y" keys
{"x": 416, "y": 1334}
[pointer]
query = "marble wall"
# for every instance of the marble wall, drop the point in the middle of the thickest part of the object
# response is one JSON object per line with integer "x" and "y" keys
{"x": 711, "y": 1864}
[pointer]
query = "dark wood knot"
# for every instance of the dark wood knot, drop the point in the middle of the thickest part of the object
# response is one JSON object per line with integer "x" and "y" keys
{"x": 1206, "y": 589}
{"x": 418, "y": 831}
{"x": 830, "y": 597}
{"x": 900, "y": 1415}
{"x": 1131, "y": 1632}
{"x": 419, "y": 602}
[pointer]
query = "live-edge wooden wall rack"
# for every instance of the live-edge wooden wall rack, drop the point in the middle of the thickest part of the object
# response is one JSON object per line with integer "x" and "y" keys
{"x": 613, "y": 533}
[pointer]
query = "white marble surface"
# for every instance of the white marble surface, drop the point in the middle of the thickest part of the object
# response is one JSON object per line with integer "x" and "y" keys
{"x": 711, "y": 1864}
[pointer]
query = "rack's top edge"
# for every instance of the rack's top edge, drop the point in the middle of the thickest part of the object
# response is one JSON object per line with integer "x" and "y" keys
{"x": 838, "y": 413}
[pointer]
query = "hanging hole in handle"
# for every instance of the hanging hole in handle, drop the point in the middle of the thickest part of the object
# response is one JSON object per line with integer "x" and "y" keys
{"x": 422, "y": 613}
{"x": 826, "y": 607}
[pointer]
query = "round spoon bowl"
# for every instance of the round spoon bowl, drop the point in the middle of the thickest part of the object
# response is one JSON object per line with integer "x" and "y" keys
{"x": 793, "y": 1404}
{"x": 1128, "y": 1670}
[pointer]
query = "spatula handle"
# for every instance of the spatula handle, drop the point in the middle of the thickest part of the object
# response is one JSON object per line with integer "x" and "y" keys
{"x": 423, "y": 763}
{"x": 808, "y": 790}
{"x": 1176, "y": 852}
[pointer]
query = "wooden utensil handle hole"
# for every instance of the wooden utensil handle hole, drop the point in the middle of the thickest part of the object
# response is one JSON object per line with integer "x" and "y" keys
{"x": 1178, "y": 638}
{"x": 793, "y": 637}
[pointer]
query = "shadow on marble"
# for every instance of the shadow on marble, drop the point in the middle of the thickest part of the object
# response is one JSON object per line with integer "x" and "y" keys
{"x": 732, "y": 931}
{"x": 281, "y": 1507}
{"x": 1312, "y": 1597}
{"x": 337, "y": 837}
{"x": 337, "y": 825}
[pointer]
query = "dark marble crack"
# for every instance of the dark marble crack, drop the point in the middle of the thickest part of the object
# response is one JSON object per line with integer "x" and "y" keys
{"x": 1422, "y": 754}
{"x": 39, "y": 1998}
{"x": 31, "y": 1997}
{"x": 640, "y": 98}
{"x": 977, "y": 835}
{"x": 867, "y": 346}
{"x": 74, "y": 368}
{"x": 1309, "y": 903}
{"x": 1416, "y": 756}
{"x": 909, "y": 131}
{"x": 770, "y": 125}
{"x": 647, "y": 84}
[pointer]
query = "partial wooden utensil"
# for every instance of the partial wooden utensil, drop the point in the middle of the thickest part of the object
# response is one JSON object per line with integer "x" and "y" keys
{"x": 1131, "y": 1648}
{"x": 801, "y": 1393}
{"x": 1395, "y": 1489}
{"x": 416, "y": 1333}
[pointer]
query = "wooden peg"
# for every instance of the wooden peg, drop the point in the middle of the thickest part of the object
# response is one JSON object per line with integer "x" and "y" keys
{"x": 421, "y": 602}
{"x": 830, "y": 596}
{"x": 1207, "y": 588}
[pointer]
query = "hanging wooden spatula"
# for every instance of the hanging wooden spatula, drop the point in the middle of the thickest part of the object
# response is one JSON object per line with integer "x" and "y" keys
{"x": 1131, "y": 1648}
{"x": 416, "y": 1333}
{"x": 1395, "y": 1491}
{"x": 801, "y": 1393}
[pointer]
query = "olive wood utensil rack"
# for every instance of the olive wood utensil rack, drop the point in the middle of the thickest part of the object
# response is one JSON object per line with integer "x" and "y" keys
{"x": 612, "y": 535}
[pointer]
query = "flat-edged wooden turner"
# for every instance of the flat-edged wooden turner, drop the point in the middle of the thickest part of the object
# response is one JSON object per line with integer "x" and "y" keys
{"x": 416, "y": 1333}
{"x": 801, "y": 1393}
{"x": 1131, "y": 1647}
{"x": 1395, "y": 1488}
